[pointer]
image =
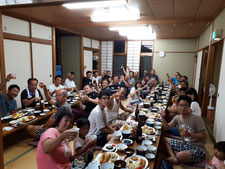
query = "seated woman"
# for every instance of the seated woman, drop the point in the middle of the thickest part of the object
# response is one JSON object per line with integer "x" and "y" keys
{"x": 53, "y": 149}
{"x": 195, "y": 107}
{"x": 135, "y": 93}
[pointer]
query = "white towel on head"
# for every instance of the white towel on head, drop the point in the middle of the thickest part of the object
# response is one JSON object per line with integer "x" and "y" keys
{"x": 29, "y": 94}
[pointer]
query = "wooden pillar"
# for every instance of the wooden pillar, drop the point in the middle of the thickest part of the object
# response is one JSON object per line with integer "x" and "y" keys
{"x": 53, "y": 54}
{"x": 81, "y": 61}
{"x": 209, "y": 70}
{"x": 2, "y": 62}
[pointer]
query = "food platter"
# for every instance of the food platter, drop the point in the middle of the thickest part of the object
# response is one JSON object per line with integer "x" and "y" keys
{"x": 136, "y": 161}
{"x": 26, "y": 118}
{"x": 107, "y": 157}
{"x": 148, "y": 130}
{"x": 17, "y": 115}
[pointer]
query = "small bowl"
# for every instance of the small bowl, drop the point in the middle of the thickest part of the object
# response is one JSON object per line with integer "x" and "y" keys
{"x": 127, "y": 141}
{"x": 37, "y": 112}
{"x": 150, "y": 156}
{"x": 141, "y": 150}
{"x": 106, "y": 166}
{"x": 7, "y": 119}
{"x": 157, "y": 127}
{"x": 151, "y": 149}
{"x": 150, "y": 123}
{"x": 153, "y": 110}
{"x": 147, "y": 142}
{"x": 158, "y": 123}
{"x": 126, "y": 133}
{"x": 129, "y": 151}
{"x": 46, "y": 110}
{"x": 118, "y": 164}
{"x": 43, "y": 114}
{"x": 121, "y": 147}
{"x": 117, "y": 135}
{"x": 144, "y": 109}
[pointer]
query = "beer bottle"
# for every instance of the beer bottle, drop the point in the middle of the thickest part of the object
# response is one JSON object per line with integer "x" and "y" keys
{"x": 139, "y": 133}
{"x": 136, "y": 113}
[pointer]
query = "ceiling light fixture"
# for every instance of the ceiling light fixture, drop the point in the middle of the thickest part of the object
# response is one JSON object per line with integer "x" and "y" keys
{"x": 142, "y": 32}
{"x": 115, "y": 14}
{"x": 95, "y": 4}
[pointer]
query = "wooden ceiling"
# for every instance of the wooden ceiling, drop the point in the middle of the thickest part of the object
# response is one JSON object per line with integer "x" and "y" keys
{"x": 169, "y": 18}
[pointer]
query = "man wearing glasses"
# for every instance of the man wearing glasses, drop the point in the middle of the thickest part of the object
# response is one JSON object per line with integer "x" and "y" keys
{"x": 191, "y": 148}
{"x": 99, "y": 125}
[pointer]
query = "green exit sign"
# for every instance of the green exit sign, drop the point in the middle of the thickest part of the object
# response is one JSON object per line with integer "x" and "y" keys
{"x": 214, "y": 34}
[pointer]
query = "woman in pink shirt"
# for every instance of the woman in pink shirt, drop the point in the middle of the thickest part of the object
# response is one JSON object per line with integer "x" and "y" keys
{"x": 53, "y": 150}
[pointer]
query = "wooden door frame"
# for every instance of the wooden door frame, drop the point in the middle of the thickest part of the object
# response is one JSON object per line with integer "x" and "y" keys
{"x": 209, "y": 68}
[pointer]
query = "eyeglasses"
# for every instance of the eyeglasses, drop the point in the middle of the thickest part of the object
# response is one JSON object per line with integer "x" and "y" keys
{"x": 183, "y": 105}
{"x": 105, "y": 98}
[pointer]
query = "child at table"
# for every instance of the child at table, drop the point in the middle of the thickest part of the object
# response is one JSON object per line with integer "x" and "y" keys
{"x": 218, "y": 160}
{"x": 82, "y": 145}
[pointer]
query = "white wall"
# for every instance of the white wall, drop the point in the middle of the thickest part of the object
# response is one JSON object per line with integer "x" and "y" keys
{"x": 218, "y": 132}
{"x": 18, "y": 53}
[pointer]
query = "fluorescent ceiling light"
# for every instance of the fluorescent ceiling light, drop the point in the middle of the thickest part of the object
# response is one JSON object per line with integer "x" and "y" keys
{"x": 95, "y": 4}
{"x": 115, "y": 14}
{"x": 136, "y": 32}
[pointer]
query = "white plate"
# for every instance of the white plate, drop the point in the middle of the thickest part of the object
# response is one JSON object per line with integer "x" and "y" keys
{"x": 46, "y": 110}
{"x": 7, "y": 128}
{"x": 158, "y": 127}
{"x": 106, "y": 166}
{"x": 150, "y": 156}
{"x": 14, "y": 122}
{"x": 109, "y": 150}
{"x": 98, "y": 158}
{"x": 42, "y": 114}
{"x": 139, "y": 157}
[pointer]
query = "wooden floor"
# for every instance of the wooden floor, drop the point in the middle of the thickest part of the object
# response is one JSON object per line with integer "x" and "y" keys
{"x": 19, "y": 155}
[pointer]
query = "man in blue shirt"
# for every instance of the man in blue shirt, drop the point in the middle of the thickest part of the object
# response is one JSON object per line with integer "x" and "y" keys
{"x": 7, "y": 101}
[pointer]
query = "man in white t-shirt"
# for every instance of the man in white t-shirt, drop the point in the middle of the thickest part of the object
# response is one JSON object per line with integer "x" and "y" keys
{"x": 99, "y": 125}
{"x": 55, "y": 86}
{"x": 69, "y": 82}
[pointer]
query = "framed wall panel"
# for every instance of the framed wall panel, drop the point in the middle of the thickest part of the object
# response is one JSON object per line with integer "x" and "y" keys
{"x": 15, "y": 26}
{"x": 41, "y": 31}
{"x": 88, "y": 59}
{"x": 86, "y": 42}
{"x": 18, "y": 61}
{"x": 42, "y": 62}
{"x": 95, "y": 44}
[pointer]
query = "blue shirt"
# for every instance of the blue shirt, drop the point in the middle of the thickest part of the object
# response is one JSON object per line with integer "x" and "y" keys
{"x": 7, "y": 105}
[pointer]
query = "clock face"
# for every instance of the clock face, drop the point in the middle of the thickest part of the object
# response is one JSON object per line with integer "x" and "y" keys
{"x": 161, "y": 54}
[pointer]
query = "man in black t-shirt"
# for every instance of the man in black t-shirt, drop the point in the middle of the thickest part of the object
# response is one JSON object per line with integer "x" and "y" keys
{"x": 87, "y": 79}
{"x": 115, "y": 86}
{"x": 88, "y": 101}
{"x": 31, "y": 95}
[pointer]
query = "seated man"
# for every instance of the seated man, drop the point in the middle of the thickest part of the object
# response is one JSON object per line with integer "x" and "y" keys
{"x": 153, "y": 75}
{"x": 112, "y": 110}
{"x": 87, "y": 79}
{"x": 99, "y": 125}
{"x": 7, "y": 101}
{"x": 69, "y": 83}
{"x": 192, "y": 149}
{"x": 31, "y": 95}
{"x": 105, "y": 85}
{"x": 96, "y": 79}
{"x": 115, "y": 86}
{"x": 55, "y": 86}
{"x": 87, "y": 103}
{"x": 60, "y": 102}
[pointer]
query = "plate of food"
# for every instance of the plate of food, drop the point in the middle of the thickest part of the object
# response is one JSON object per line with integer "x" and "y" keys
{"x": 148, "y": 130}
{"x": 107, "y": 157}
{"x": 109, "y": 147}
{"x": 127, "y": 127}
{"x": 26, "y": 118}
{"x": 17, "y": 115}
{"x": 136, "y": 161}
{"x": 121, "y": 147}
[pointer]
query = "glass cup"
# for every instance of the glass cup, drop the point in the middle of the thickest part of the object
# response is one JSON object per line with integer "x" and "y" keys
{"x": 13, "y": 76}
